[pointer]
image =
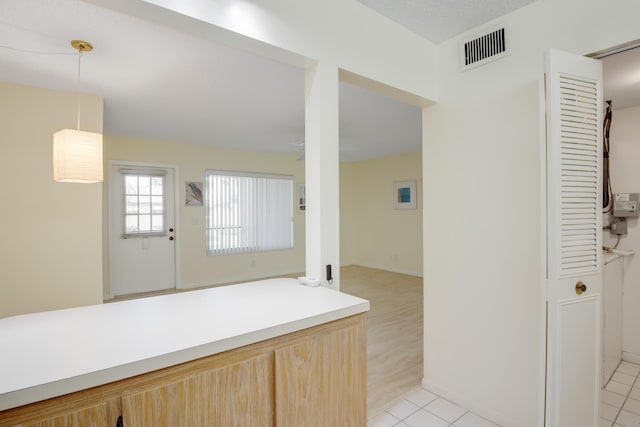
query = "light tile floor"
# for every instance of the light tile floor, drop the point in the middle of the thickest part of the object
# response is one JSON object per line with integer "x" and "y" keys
{"x": 422, "y": 408}
{"x": 619, "y": 406}
{"x": 620, "y": 399}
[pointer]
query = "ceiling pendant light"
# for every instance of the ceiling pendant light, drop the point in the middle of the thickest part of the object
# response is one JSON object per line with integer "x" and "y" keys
{"x": 77, "y": 155}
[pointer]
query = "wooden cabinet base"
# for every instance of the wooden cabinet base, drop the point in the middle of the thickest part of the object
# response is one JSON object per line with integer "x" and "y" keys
{"x": 238, "y": 394}
{"x": 321, "y": 381}
{"x": 313, "y": 377}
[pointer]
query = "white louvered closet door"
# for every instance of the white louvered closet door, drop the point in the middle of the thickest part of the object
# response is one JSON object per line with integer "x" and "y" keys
{"x": 574, "y": 223}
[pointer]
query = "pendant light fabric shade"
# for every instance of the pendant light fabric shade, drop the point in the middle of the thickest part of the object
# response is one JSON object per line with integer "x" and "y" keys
{"x": 77, "y": 156}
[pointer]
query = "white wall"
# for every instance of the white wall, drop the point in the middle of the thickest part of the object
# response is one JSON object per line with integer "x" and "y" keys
{"x": 196, "y": 268}
{"x": 344, "y": 33}
{"x": 483, "y": 310}
{"x": 50, "y": 257}
{"x": 347, "y": 235}
{"x": 625, "y": 178}
{"x": 372, "y": 233}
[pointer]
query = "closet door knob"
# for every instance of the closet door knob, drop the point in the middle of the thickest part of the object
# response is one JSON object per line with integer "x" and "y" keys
{"x": 580, "y": 288}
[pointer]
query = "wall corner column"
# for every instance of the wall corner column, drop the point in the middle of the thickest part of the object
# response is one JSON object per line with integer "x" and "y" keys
{"x": 322, "y": 166}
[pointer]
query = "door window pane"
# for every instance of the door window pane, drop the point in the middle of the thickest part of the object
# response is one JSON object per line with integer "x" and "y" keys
{"x": 131, "y": 204}
{"x": 131, "y": 224}
{"x": 144, "y": 184}
{"x": 144, "y": 223}
{"x": 156, "y": 204}
{"x": 156, "y": 185}
{"x": 131, "y": 184}
{"x": 143, "y": 204}
{"x": 157, "y": 223}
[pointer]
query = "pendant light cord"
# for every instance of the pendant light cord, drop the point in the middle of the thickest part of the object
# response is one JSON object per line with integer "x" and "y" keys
{"x": 36, "y": 52}
{"x": 78, "y": 89}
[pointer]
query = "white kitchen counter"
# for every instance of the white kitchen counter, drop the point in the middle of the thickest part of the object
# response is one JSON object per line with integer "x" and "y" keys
{"x": 43, "y": 355}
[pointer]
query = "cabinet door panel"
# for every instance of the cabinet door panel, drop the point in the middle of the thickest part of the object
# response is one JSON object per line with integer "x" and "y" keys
{"x": 95, "y": 416}
{"x": 236, "y": 395}
{"x": 322, "y": 381}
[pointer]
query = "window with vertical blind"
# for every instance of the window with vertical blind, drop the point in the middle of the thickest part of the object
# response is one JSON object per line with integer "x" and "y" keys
{"x": 248, "y": 212}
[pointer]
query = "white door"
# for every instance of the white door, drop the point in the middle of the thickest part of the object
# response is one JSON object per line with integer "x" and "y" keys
{"x": 574, "y": 224}
{"x": 141, "y": 228}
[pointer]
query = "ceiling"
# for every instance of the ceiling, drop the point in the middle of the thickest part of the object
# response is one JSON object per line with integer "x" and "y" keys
{"x": 168, "y": 85}
{"x": 622, "y": 78}
{"x": 440, "y": 20}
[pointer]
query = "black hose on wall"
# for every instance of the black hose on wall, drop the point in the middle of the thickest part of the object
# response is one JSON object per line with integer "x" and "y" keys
{"x": 607, "y": 202}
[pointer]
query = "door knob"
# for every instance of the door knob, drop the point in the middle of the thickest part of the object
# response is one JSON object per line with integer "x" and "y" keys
{"x": 580, "y": 288}
{"x": 170, "y": 237}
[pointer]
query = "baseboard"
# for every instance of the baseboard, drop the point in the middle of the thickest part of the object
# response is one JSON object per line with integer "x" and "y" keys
{"x": 203, "y": 284}
{"x": 233, "y": 281}
{"x": 386, "y": 268}
{"x": 455, "y": 398}
{"x": 631, "y": 357}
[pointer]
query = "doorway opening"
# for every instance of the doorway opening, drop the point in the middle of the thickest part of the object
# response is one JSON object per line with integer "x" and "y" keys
{"x": 381, "y": 235}
{"x": 621, "y": 233}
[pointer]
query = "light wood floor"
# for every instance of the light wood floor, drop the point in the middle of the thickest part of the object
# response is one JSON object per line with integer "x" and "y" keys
{"x": 394, "y": 332}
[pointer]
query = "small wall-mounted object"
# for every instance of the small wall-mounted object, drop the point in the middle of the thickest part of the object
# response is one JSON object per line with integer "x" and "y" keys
{"x": 301, "y": 198}
{"x": 618, "y": 226}
{"x": 626, "y": 204}
{"x": 193, "y": 194}
{"x": 485, "y": 47}
{"x": 404, "y": 195}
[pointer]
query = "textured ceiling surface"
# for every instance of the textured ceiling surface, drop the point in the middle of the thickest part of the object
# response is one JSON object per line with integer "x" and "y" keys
{"x": 439, "y": 20}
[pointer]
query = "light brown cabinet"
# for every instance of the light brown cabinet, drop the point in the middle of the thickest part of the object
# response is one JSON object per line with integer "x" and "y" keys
{"x": 65, "y": 412}
{"x": 238, "y": 394}
{"x": 313, "y": 377}
{"x": 320, "y": 381}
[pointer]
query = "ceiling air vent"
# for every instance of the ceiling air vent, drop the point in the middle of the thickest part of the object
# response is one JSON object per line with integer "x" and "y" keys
{"x": 480, "y": 50}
